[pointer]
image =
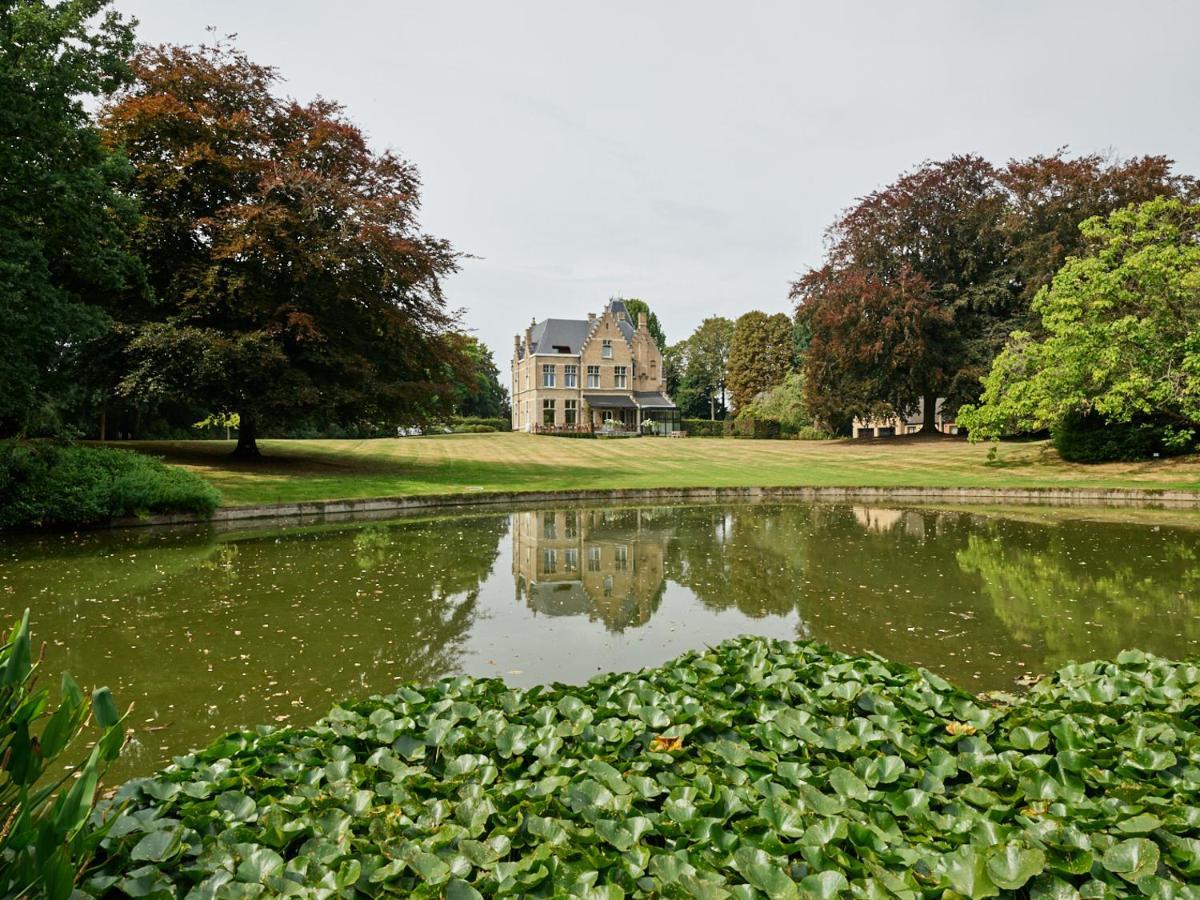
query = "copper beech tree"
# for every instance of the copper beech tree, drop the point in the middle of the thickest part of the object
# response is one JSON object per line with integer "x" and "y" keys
{"x": 290, "y": 277}
{"x": 925, "y": 279}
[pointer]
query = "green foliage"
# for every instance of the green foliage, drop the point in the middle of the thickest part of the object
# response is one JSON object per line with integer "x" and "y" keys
{"x": 761, "y": 354}
{"x": 44, "y": 483}
{"x": 47, "y": 839}
{"x": 490, "y": 423}
{"x": 696, "y": 369}
{"x": 1122, "y": 332}
{"x": 460, "y": 428}
{"x": 708, "y": 427}
{"x": 783, "y": 403}
{"x": 634, "y": 307}
{"x": 480, "y": 393}
{"x": 783, "y": 767}
{"x": 1083, "y": 438}
{"x": 746, "y": 426}
{"x": 63, "y": 223}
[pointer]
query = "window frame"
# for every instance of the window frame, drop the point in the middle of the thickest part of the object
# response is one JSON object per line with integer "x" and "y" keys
{"x": 593, "y": 372}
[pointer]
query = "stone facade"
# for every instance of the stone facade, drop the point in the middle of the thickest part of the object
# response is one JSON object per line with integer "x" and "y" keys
{"x": 602, "y": 373}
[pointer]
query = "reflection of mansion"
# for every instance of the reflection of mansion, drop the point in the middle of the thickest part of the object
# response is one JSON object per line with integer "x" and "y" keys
{"x": 603, "y": 564}
{"x": 603, "y": 373}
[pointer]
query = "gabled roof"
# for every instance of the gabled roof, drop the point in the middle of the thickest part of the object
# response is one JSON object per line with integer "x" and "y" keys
{"x": 551, "y": 333}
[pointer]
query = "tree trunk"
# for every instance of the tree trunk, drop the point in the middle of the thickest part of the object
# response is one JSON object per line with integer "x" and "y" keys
{"x": 103, "y": 425}
{"x": 929, "y": 402}
{"x": 247, "y": 442}
{"x": 712, "y": 407}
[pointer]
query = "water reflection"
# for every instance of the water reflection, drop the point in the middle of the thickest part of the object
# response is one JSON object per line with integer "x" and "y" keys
{"x": 207, "y": 632}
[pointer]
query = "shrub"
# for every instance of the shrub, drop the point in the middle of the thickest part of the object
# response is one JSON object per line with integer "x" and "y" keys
{"x": 708, "y": 427}
{"x": 494, "y": 424}
{"x": 1088, "y": 438}
{"x": 784, "y": 403}
{"x": 745, "y": 426}
{"x": 463, "y": 428}
{"x": 812, "y": 433}
{"x": 45, "y": 483}
{"x": 754, "y": 768}
{"x": 46, "y": 839}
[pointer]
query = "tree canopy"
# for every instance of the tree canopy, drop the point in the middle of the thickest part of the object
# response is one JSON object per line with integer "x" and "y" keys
{"x": 761, "y": 354}
{"x": 634, "y": 306}
{"x": 695, "y": 369}
{"x": 63, "y": 255}
{"x": 289, "y": 273}
{"x": 1120, "y": 331}
{"x": 479, "y": 391}
{"x": 926, "y": 278}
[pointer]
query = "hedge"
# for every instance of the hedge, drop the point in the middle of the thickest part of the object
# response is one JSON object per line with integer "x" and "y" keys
{"x": 46, "y": 483}
{"x": 708, "y": 427}
{"x": 1082, "y": 438}
{"x": 756, "y": 768}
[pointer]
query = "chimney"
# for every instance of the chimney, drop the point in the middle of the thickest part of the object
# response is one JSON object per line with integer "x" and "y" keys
{"x": 517, "y": 344}
{"x": 528, "y": 340}
{"x": 591, "y": 318}
{"x": 641, "y": 321}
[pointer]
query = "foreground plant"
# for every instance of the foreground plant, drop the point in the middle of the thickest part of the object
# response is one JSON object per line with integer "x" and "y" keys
{"x": 756, "y": 768}
{"x": 45, "y": 837}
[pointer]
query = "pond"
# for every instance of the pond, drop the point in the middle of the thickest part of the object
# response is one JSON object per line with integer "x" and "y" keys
{"x": 207, "y": 632}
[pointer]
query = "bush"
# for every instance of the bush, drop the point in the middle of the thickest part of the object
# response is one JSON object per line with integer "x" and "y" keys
{"x": 708, "y": 427}
{"x": 494, "y": 424}
{"x": 47, "y": 839}
{"x": 462, "y": 428}
{"x": 812, "y": 433}
{"x": 44, "y": 483}
{"x": 762, "y": 429}
{"x": 754, "y": 768}
{"x": 1088, "y": 438}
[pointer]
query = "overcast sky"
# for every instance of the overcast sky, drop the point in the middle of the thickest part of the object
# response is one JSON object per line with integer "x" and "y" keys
{"x": 693, "y": 153}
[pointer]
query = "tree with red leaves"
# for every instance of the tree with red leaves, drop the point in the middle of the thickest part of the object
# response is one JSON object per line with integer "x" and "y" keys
{"x": 289, "y": 274}
{"x": 926, "y": 278}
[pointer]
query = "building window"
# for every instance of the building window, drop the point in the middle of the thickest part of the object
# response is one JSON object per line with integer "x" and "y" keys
{"x": 572, "y": 525}
{"x": 548, "y": 376}
{"x": 570, "y": 411}
{"x": 571, "y": 376}
{"x": 549, "y": 562}
{"x": 622, "y": 559}
{"x": 549, "y": 528}
{"x": 619, "y": 376}
{"x": 593, "y": 376}
{"x": 571, "y": 559}
{"x": 608, "y": 585}
{"x": 547, "y": 412}
{"x": 606, "y": 348}
{"x": 593, "y": 559}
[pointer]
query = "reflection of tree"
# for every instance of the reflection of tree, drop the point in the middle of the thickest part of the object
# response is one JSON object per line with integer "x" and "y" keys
{"x": 751, "y": 558}
{"x": 1088, "y": 595}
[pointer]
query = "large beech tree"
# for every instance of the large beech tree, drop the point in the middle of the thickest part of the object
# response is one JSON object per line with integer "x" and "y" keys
{"x": 926, "y": 278}
{"x": 290, "y": 275}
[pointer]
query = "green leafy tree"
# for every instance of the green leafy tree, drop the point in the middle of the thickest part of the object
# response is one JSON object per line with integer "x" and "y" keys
{"x": 1121, "y": 331}
{"x": 635, "y": 306}
{"x": 63, "y": 251}
{"x": 761, "y": 353}
{"x": 707, "y": 361}
{"x": 480, "y": 392}
{"x": 291, "y": 279}
{"x": 784, "y": 403}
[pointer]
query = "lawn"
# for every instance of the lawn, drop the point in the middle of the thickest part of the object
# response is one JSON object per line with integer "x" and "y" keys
{"x": 343, "y": 469}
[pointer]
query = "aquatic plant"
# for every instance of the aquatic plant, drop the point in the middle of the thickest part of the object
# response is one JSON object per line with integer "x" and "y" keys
{"x": 46, "y": 839}
{"x": 753, "y": 768}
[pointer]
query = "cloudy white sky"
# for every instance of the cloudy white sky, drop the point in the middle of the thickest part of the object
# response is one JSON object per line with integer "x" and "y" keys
{"x": 692, "y": 153}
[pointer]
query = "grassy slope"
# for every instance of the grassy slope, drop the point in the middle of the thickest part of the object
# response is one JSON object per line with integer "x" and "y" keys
{"x": 340, "y": 469}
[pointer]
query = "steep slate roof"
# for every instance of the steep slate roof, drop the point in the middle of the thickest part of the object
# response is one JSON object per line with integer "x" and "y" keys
{"x": 551, "y": 333}
{"x": 628, "y": 329}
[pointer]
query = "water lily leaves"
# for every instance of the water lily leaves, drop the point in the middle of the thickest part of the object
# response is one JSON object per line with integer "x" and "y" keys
{"x": 158, "y": 846}
{"x": 764, "y": 872}
{"x": 1014, "y": 865}
{"x": 1132, "y": 859}
{"x": 778, "y": 769}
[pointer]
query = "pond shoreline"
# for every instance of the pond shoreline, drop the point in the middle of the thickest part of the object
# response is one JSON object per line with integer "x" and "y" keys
{"x": 383, "y": 507}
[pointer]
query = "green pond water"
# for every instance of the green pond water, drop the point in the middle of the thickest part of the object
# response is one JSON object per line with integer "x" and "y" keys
{"x": 207, "y": 632}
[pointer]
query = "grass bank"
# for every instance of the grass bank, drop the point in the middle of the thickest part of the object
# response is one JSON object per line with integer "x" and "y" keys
{"x": 757, "y": 768}
{"x": 295, "y": 471}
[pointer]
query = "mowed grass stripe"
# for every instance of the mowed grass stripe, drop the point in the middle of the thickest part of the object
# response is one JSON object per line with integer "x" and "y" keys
{"x": 353, "y": 469}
